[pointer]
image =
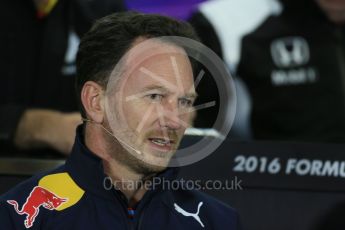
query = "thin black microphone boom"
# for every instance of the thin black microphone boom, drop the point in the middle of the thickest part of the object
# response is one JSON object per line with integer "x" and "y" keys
{"x": 111, "y": 134}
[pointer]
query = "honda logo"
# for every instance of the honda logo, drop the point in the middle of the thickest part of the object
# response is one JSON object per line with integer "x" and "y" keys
{"x": 290, "y": 52}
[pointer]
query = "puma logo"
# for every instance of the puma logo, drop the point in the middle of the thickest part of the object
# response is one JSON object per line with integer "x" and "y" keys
{"x": 194, "y": 215}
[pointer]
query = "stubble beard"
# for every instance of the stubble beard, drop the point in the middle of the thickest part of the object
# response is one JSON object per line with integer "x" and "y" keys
{"x": 131, "y": 159}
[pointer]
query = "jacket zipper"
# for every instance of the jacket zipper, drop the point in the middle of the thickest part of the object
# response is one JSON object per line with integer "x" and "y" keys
{"x": 124, "y": 206}
{"x": 140, "y": 220}
{"x": 141, "y": 211}
{"x": 136, "y": 222}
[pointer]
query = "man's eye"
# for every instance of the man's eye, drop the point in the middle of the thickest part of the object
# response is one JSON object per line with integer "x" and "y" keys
{"x": 185, "y": 103}
{"x": 155, "y": 97}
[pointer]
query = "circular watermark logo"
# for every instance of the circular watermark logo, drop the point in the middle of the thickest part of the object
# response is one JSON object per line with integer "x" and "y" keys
{"x": 150, "y": 95}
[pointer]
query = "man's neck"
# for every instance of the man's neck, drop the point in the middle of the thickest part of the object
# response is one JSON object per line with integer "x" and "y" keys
{"x": 129, "y": 183}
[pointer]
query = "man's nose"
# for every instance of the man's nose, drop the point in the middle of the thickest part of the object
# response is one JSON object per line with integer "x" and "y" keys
{"x": 170, "y": 116}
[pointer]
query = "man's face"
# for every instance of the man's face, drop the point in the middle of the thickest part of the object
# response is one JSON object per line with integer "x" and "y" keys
{"x": 334, "y": 9}
{"x": 153, "y": 105}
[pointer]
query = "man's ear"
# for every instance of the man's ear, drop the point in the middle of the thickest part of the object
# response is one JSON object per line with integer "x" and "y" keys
{"x": 92, "y": 98}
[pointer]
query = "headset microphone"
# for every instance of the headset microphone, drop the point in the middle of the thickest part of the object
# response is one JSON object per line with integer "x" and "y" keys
{"x": 111, "y": 134}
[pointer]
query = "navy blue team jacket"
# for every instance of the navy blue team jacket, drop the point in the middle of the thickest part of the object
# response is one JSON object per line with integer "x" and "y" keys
{"x": 77, "y": 196}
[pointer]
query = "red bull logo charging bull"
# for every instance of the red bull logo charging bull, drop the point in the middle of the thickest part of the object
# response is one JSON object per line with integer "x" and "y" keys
{"x": 38, "y": 197}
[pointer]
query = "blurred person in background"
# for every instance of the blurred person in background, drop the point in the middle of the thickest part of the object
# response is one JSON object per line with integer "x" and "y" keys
{"x": 290, "y": 55}
{"x": 38, "y": 42}
{"x": 294, "y": 66}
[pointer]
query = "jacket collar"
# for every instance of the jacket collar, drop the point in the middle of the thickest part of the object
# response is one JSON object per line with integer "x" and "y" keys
{"x": 87, "y": 170}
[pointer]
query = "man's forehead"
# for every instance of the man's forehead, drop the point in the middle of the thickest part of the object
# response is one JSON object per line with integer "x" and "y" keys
{"x": 145, "y": 49}
{"x": 156, "y": 61}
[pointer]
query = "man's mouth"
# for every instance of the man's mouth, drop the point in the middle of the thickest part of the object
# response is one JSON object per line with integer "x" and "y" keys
{"x": 162, "y": 144}
{"x": 162, "y": 141}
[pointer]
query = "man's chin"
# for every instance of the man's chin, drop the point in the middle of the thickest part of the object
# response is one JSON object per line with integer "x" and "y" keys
{"x": 158, "y": 158}
{"x": 149, "y": 168}
{"x": 156, "y": 161}
{"x": 151, "y": 159}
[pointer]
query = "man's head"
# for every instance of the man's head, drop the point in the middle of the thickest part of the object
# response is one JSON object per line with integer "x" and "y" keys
{"x": 138, "y": 85}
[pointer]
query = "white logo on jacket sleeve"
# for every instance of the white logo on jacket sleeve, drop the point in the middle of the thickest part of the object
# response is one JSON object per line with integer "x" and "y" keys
{"x": 194, "y": 215}
{"x": 290, "y": 52}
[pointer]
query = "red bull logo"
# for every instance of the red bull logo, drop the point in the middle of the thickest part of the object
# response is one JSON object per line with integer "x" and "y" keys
{"x": 38, "y": 197}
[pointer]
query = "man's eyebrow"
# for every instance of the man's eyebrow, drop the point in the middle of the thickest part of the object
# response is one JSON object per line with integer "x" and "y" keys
{"x": 148, "y": 89}
{"x": 152, "y": 88}
{"x": 166, "y": 90}
{"x": 191, "y": 95}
